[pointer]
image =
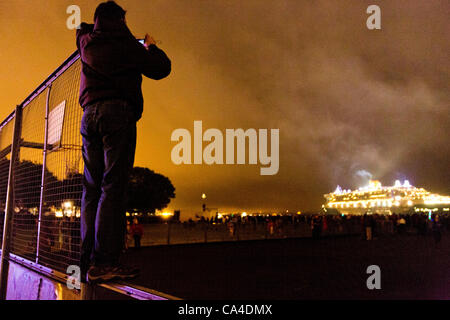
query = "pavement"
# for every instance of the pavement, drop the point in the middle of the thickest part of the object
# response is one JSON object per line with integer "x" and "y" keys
{"x": 411, "y": 266}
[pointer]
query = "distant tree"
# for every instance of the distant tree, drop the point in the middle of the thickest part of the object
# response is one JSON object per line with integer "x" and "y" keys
{"x": 27, "y": 183}
{"x": 72, "y": 188}
{"x": 148, "y": 191}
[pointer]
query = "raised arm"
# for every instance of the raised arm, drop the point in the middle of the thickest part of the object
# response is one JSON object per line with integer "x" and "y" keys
{"x": 153, "y": 62}
{"x": 158, "y": 65}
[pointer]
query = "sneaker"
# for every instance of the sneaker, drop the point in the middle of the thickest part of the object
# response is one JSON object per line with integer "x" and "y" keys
{"x": 107, "y": 273}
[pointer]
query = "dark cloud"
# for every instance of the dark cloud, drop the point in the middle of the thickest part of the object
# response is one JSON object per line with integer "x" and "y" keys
{"x": 344, "y": 98}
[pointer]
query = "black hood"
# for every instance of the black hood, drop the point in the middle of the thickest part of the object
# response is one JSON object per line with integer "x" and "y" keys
{"x": 112, "y": 27}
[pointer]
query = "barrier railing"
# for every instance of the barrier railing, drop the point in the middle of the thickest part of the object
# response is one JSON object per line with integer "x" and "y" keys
{"x": 41, "y": 172}
{"x": 57, "y": 285}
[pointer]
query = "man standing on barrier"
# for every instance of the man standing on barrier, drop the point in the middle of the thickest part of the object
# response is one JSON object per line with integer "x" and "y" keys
{"x": 113, "y": 62}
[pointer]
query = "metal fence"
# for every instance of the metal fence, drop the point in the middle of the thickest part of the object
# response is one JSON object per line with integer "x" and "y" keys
{"x": 41, "y": 171}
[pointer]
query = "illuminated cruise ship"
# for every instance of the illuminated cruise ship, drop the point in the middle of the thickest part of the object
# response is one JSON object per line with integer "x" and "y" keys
{"x": 375, "y": 198}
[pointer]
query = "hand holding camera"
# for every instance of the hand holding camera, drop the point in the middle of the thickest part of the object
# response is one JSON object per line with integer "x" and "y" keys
{"x": 149, "y": 40}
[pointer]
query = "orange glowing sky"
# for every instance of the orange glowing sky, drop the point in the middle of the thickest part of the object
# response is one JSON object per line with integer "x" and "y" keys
{"x": 344, "y": 98}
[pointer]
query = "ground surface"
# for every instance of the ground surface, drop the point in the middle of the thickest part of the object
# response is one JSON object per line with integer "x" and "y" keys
{"x": 331, "y": 268}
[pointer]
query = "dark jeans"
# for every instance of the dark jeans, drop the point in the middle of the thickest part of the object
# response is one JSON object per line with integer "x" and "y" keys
{"x": 108, "y": 129}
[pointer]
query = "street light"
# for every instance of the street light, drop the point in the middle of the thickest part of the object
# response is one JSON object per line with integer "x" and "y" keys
{"x": 204, "y": 204}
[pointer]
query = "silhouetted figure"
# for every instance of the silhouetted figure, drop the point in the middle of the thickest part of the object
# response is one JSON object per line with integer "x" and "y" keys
{"x": 422, "y": 225}
{"x": 368, "y": 222}
{"x": 270, "y": 227}
{"x": 113, "y": 62}
{"x": 137, "y": 231}
{"x": 324, "y": 224}
{"x": 316, "y": 226}
{"x": 436, "y": 228}
{"x": 401, "y": 225}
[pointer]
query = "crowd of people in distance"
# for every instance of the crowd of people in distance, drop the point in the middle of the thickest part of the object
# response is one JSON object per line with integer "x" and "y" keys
{"x": 420, "y": 224}
{"x": 60, "y": 236}
{"x": 369, "y": 225}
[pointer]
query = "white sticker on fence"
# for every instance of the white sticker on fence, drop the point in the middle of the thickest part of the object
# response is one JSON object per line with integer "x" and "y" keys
{"x": 55, "y": 123}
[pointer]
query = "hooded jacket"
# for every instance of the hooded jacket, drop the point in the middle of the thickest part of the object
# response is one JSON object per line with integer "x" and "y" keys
{"x": 113, "y": 62}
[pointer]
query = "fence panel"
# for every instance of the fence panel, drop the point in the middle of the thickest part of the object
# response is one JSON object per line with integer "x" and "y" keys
{"x": 48, "y": 177}
{"x": 6, "y": 134}
{"x": 59, "y": 235}
{"x": 27, "y": 178}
